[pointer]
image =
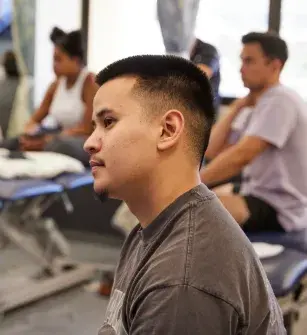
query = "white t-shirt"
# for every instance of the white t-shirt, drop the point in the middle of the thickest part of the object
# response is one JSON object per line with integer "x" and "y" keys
{"x": 278, "y": 175}
{"x": 67, "y": 108}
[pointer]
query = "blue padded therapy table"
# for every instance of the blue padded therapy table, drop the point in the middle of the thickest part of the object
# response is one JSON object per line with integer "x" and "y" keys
{"x": 71, "y": 181}
{"x": 22, "y": 204}
{"x": 287, "y": 272}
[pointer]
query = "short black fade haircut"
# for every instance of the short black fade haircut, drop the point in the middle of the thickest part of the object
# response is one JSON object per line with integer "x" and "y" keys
{"x": 273, "y": 46}
{"x": 171, "y": 82}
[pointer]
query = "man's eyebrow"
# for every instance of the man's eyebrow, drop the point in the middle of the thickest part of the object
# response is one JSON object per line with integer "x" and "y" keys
{"x": 101, "y": 114}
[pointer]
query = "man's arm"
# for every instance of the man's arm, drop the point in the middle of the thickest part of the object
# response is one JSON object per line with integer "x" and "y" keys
{"x": 221, "y": 130}
{"x": 231, "y": 162}
{"x": 207, "y": 69}
{"x": 183, "y": 310}
{"x": 273, "y": 121}
{"x": 43, "y": 109}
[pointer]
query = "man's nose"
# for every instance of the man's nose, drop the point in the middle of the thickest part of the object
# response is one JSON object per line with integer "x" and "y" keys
{"x": 92, "y": 144}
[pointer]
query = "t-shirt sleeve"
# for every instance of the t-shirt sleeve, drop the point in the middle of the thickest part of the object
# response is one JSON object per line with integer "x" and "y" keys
{"x": 183, "y": 310}
{"x": 208, "y": 56}
{"x": 273, "y": 120}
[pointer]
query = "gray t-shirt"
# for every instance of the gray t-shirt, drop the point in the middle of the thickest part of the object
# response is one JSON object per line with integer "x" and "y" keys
{"x": 278, "y": 175}
{"x": 191, "y": 271}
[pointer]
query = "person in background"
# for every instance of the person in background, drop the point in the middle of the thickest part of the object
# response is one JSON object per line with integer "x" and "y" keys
{"x": 63, "y": 120}
{"x": 206, "y": 57}
{"x": 262, "y": 136}
{"x": 8, "y": 88}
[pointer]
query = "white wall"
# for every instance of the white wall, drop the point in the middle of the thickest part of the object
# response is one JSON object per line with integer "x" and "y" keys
{"x": 122, "y": 28}
{"x": 66, "y": 14}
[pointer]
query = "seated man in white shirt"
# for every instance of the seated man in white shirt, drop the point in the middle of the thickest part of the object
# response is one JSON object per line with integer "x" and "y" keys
{"x": 265, "y": 142}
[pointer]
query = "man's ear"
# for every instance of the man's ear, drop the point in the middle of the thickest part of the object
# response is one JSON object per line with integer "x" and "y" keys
{"x": 276, "y": 65}
{"x": 172, "y": 126}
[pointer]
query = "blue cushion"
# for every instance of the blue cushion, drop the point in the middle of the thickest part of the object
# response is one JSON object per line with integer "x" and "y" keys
{"x": 74, "y": 180}
{"x": 294, "y": 240}
{"x": 285, "y": 271}
{"x": 21, "y": 189}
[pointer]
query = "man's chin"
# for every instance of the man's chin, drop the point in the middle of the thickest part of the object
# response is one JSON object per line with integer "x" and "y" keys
{"x": 245, "y": 84}
{"x": 104, "y": 191}
{"x": 100, "y": 191}
{"x": 102, "y": 196}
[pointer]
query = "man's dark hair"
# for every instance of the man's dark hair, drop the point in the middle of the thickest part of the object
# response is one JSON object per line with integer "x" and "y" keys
{"x": 71, "y": 43}
{"x": 169, "y": 82}
{"x": 10, "y": 64}
{"x": 271, "y": 44}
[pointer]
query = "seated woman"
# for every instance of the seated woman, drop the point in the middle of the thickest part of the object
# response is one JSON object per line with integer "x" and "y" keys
{"x": 63, "y": 120}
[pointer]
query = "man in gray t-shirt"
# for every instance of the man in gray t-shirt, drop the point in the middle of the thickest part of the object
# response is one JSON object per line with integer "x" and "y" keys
{"x": 187, "y": 267}
{"x": 263, "y": 137}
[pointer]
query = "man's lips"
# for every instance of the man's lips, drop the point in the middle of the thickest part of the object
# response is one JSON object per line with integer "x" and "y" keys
{"x": 94, "y": 163}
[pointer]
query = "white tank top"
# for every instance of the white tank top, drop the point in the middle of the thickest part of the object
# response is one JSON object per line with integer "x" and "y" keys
{"x": 67, "y": 107}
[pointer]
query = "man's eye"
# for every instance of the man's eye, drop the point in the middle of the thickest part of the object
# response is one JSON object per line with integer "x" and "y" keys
{"x": 108, "y": 121}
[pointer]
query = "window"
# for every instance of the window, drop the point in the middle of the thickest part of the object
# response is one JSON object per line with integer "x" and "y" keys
{"x": 223, "y": 23}
{"x": 118, "y": 30}
{"x": 294, "y": 30}
{"x": 121, "y": 29}
{"x": 5, "y": 14}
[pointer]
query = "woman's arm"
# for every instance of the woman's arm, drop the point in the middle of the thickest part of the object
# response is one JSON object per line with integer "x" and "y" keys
{"x": 89, "y": 90}
{"x": 43, "y": 109}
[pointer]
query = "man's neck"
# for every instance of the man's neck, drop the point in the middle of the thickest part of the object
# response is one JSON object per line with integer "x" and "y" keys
{"x": 269, "y": 85}
{"x": 159, "y": 194}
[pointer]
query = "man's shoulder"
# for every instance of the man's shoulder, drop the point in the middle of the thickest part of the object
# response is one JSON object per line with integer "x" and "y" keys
{"x": 223, "y": 262}
{"x": 283, "y": 95}
{"x": 217, "y": 236}
{"x": 207, "y": 250}
{"x": 198, "y": 244}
